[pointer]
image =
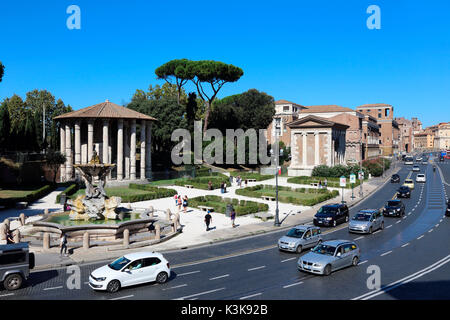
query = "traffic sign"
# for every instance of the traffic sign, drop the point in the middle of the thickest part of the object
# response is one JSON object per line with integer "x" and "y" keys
{"x": 353, "y": 178}
{"x": 343, "y": 181}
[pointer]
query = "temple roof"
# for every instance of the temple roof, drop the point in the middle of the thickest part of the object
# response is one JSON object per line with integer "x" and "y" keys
{"x": 106, "y": 110}
{"x": 315, "y": 122}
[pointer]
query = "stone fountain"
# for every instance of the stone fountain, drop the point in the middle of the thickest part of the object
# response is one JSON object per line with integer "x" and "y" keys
{"x": 94, "y": 204}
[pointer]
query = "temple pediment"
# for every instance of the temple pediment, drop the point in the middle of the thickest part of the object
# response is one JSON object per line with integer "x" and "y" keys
{"x": 315, "y": 122}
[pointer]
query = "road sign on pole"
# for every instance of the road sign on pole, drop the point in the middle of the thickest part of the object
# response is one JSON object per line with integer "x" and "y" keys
{"x": 343, "y": 183}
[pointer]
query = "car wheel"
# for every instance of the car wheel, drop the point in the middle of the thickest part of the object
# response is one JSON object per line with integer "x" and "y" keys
{"x": 13, "y": 282}
{"x": 346, "y": 218}
{"x": 162, "y": 277}
{"x": 113, "y": 286}
{"x": 355, "y": 261}
{"x": 327, "y": 270}
{"x": 370, "y": 230}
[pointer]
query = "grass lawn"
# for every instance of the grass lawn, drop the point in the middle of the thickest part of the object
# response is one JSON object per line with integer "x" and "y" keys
{"x": 168, "y": 182}
{"x": 282, "y": 193}
{"x": 4, "y": 194}
{"x": 242, "y": 207}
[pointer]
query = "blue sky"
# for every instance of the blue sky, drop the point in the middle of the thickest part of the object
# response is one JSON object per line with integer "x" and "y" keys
{"x": 309, "y": 52}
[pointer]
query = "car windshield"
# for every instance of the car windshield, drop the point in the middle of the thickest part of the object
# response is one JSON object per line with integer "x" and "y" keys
{"x": 324, "y": 249}
{"x": 327, "y": 210}
{"x": 408, "y": 181}
{"x": 404, "y": 189}
{"x": 393, "y": 203}
{"x": 119, "y": 263}
{"x": 362, "y": 216}
{"x": 295, "y": 233}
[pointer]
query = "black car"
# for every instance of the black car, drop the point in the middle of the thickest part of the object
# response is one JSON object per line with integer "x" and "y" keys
{"x": 395, "y": 178}
{"x": 394, "y": 208}
{"x": 404, "y": 192}
{"x": 447, "y": 212}
{"x": 331, "y": 215}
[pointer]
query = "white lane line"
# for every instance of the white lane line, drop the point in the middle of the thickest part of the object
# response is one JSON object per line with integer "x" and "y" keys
{"x": 199, "y": 294}
{"x": 420, "y": 237}
{"x": 430, "y": 230}
{"x": 257, "y": 268}
{"x": 359, "y": 238}
{"x": 398, "y": 221}
{"x": 389, "y": 226}
{"x": 293, "y": 284}
{"x": 220, "y": 277}
{"x": 180, "y": 286}
{"x": 53, "y": 288}
{"x": 7, "y": 295}
{"x": 437, "y": 225}
{"x": 409, "y": 213}
{"x": 440, "y": 220}
{"x": 251, "y": 296}
{"x": 386, "y": 253}
{"x": 288, "y": 259}
{"x": 404, "y": 217}
{"x": 362, "y": 262}
{"x": 130, "y": 296}
{"x": 406, "y": 244}
{"x": 185, "y": 274}
{"x": 377, "y": 231}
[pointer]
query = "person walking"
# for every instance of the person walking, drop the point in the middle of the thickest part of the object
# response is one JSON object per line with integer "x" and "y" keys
{"x": 185, "y": 203}
{"x": 325, "y": 183}
{"x": 245, "y": 182}
{"x": 221, "y": 187}
{"x": 320, "y": 184}
{"x": 63, "y": 244}
{"x": 233, "y": 217}
{"x": 231, "y": 180}
{"x": 224, "y": 187}
{"x": 210, "y": 185}
{"x": 208, "y": 220}
{"x": 175, "y": 197}
{"x": 179, "y": 203}
{"x": 240, "y": 181}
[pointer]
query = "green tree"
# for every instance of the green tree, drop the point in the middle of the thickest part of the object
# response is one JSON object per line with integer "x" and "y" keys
{"x": 54, "y": 160}
{"x": 175, "y": 71}
{"x": 5, "y": 126}
{"x": 2, "y": 71}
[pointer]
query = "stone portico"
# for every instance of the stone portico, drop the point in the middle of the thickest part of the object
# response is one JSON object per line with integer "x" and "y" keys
{"x": 111, "y": 131}
{"x": 316, "y": 141}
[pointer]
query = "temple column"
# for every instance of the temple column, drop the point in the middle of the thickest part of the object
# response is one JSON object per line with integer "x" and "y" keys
{"x": 68, "y": 153}
{"x": 105, "y": 142}
{"x": 127, "y": 151}
{"x": 62, "y": 136}
{"x": 148, "y": 150}
{"x": 316, "y": 149}
{"x": 77, "y": 143}
{"x": 90, "y": 146}
{"x": 304, "y": 149}
{"x": 133, "y": 150}
{"x": 143, "y": 145}
{"x": 120, "y": 149}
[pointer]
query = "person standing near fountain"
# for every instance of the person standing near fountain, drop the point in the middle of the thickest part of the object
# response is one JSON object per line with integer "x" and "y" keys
{"x": 185, "y": 203}
{"x": 63, "y": 244}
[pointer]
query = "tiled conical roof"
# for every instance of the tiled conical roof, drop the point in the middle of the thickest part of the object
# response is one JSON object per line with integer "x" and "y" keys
{"x": 107, "y": 110}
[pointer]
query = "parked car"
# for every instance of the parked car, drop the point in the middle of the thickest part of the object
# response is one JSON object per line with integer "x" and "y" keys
{"x": 331, "y": 215}
{"x": 395, "y": 178}
{"x": 416, "y": 168}
{"x": 394, "y": 208}
{"x": 404, "y": 192}
{"x": 419, "y": 159}
{"x": 366, "y": 221}
{"x": 330, "y": 256}
{"x": 299, "y": 238}
{"x": 130, "y": 269}
{"x": 421, "y": 178}
{"x": 409, "y": 183}
{"x": 15, "y": 263}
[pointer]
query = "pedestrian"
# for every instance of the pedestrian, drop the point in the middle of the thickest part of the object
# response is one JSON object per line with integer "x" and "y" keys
{"x": 224, "y": 187}
{"x": 325, "y": 183}
{"x": 320, "y": 184}
{"x": 245, "y": 182}
{"x": 63, "y": 244}
{"x": 240, "y": 182}
{"x": 175, "y": 197}
{"x": 208, "y": 220}
{"x": 233, "y": 217}
{"x": 179, "y": 203}
{"x": 231, "y": 180}
{"x": 185, "y": 203}
{"x": 210, "y": 185}
{"x": 221, "y": 187}
{"x": 10, "y": 237}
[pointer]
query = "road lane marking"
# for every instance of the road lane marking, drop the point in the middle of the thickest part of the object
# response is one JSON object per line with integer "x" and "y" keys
{"x": 420, "y": 237}
{"x": 362, "y": 262}
{"x": 180, "y": 286}
{"x": 130, "y": 296}
{"x": 257, "y": 268}
{"x": 377, "y": 231}
{"x": 219, "y": 277}
{"x": 386, "y": 253}
{"x": 200, "y": 294}
{"x": 406, "y": 244}
{"x": 437, "y": 225}
{"x": 185, "y": 274}
{"x": 293, "y": 284}
{"x": 7, "y": 295}
{"x": 53, "y": 288}
{"x": 405, "y": 280}
{"x": 359, "y": 238}
{"x": 389, "y": 226}
{"x": 398, "y": 221}
{"x": 430, "y": 230}
{"x": 289, "y": 259}
{"x": 251, "y": 296}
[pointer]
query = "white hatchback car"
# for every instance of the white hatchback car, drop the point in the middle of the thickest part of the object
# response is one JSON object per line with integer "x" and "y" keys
{"x": 421, "y": 178}
{"x": 130, "y": 270}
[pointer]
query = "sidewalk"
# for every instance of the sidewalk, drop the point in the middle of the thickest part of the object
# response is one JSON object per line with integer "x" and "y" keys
{"x": 194, "y": 233}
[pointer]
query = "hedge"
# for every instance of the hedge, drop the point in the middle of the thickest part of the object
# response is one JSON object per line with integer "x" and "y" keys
{"x": 242, "y": 207}
{"x": 251, "y": 175}
{"x": 331, "y": 181}
{"x": 202, "y": 182}
{"x": 322, "y": 194}
{"x": 31, "y": 197}
{"x": 70, "y": 190}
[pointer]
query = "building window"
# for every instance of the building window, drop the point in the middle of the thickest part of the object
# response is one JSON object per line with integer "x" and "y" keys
{"x": 285, "y": 108}
{"x": 379, "y": 115}
{"x": 386, "y": 112}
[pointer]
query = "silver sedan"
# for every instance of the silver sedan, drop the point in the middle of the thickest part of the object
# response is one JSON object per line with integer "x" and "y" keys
{"x": 330, "y": 256}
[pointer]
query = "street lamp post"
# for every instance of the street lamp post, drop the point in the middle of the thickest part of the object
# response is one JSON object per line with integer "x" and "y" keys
{"x": 360, "y": 165}
{"x": 276, "y": 223}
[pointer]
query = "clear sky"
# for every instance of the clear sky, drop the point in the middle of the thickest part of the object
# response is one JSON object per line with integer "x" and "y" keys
{"x": 309, "y": 52}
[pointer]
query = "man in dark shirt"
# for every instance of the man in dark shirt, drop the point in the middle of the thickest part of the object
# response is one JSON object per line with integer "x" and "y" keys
{"x": 208, "y": 220}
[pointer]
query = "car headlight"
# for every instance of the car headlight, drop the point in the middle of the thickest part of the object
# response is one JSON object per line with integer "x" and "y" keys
{"x": 317, "y": 265}
{"x": 329, "y": 219}
{"x": 101, "y": 279}
{"x": 292, "y": 244}
{"x": 397, "y": 209}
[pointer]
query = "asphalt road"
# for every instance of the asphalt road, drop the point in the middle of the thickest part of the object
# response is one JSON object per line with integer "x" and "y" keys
{"x": 412, "y": 254}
